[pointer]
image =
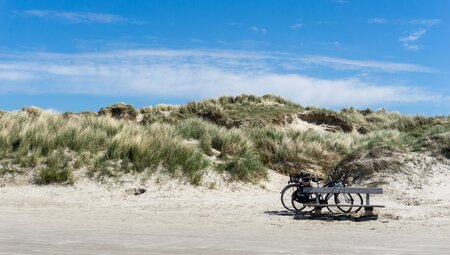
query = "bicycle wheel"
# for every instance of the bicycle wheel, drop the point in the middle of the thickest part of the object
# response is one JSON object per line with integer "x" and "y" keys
{"x": 286, "y": 196}
{"x": 300, "y": 207}
{"x": 330, "y": 201}
{"x": 343, "y": 199}
{"x": 358, "y": 200}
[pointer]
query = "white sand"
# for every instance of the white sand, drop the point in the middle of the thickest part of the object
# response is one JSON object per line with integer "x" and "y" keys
{"x": 239, "y": 219}
{"x": 299, "y": 124}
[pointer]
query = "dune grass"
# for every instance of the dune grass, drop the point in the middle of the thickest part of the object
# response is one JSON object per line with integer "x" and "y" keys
{"x": 106, "y": 139}
{"x": 186, "y": 141}
{"x": 237, "y": 153}
{"x": 229, "y": 111}
{"x": 56, "y": 169}
{"x": 288, "y": 151}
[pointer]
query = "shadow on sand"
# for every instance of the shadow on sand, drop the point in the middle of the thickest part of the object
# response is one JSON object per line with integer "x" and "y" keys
{"x": 324, "y": 216}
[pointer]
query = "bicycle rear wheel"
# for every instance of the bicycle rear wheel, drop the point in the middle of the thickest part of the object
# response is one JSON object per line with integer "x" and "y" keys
{"x": 343, "y": 199}
{"x": 301, "y": 207}
{"x": 329, "y": 201}
{"x": 358, "y": 200}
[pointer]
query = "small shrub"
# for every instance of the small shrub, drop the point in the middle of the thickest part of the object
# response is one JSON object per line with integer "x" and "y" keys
{"x": 244, "y": 169}
{"x": 56, "y": 170}
{"x": 55, "y": 175}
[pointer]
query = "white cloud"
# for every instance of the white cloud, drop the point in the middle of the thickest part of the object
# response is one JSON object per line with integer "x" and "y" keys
{"x": 342, "y": 63}
{"x": 427, "y": 22}
{"x": 377, "y": 21}
{"x": 75, "y": 17}
{"x": 408, "y": 41}
{"x": 10, "y": 75}
{"x": 411, "y": 38}
{"x": 296, "y": 26}
{"x": 424, "y": 22}
{"x": 203, "y": 73}
{"x": 260, "y": 30}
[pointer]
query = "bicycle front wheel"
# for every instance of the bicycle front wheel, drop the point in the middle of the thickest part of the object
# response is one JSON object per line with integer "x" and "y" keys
{"x": 286, "y": 196}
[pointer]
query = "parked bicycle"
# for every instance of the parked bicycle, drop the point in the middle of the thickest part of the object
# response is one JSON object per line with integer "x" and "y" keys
{"x": 294, "y": 199}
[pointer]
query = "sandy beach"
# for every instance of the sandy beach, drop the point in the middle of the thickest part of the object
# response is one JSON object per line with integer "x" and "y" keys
{"x": 173, "y": 218}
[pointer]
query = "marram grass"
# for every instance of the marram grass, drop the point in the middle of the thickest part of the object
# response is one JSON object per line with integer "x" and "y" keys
{"x": 185, "y": 141}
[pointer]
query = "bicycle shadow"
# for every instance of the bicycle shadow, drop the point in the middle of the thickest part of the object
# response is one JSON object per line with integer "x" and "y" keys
{"x": 323, "y": 217}
{"x": 280, "y": 213}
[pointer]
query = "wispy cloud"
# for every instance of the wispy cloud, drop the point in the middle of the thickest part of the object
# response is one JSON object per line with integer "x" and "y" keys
{"x": 10, "y": 75}
{"x": 409, "y": 40}
{"x": 204, "y": 73}
{"x": 377, "y": 21}
{"x": 423, "y": 22}
{"x": 76, "y": 17}
{"x": 342, "y": 63}
{"x": 259, "y": 30}
{"x": 413, "y": 36}
{"x": 296, "y": 26}
{"x": 427, "y": 22}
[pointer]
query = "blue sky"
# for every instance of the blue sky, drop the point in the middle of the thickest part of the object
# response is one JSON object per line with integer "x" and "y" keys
{"x": 82, "y": 55}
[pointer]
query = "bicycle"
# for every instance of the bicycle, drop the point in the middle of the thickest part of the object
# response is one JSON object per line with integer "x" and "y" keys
{"x": 293, "y": 195}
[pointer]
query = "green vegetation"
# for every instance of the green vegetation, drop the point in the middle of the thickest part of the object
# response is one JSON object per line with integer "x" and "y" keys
{"x": 236, "y": 151}
{"x": 103, "y": 138}
{"x": 241, "y": 136}
{"x": 239, "y": 111}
